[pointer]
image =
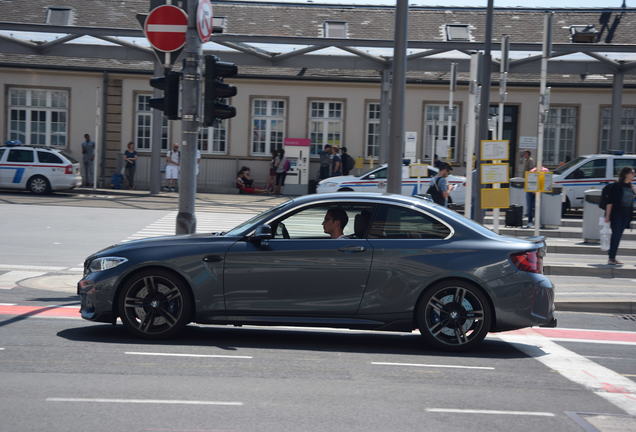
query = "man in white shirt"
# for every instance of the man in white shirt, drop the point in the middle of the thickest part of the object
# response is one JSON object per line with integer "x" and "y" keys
{"x": 172, "y": 168}
{"x": 334, "y": 222}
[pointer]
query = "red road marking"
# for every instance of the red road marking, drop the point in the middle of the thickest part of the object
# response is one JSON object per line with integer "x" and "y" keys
{"x": 591, "y": 335}
{"x": 47, "y": 311}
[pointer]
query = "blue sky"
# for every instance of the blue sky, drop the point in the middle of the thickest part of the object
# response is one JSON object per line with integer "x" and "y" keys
{"x": 483, "y": 3}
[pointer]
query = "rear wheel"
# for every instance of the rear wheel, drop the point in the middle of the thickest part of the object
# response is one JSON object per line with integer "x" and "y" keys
{"x": 39, "y": 185}
{"x": 345, "y": 190}
{"x": 453, "y": 315}
{"x": 155, "y": 304}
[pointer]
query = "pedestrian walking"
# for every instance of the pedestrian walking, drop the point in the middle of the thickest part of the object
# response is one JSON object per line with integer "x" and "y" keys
{"x": 438, "y": 189}
{"x": 88, "y": 160}
{"x": 172, "y": 168}
{"x": 283, "y": 166}
{"x": 347, "y": 162}
{"x": 619, "y": 209}
{"x": 130, "y": 159}
{"x": 336, "y": 162}
{"x": 526, "y": 163}
{"x": 271, "y": 179}
{"x": 325, "y": 162}
{"x": 531, "y": 198}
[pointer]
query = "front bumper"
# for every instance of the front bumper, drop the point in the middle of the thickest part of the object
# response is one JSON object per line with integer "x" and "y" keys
{"x": 97, "y": 292}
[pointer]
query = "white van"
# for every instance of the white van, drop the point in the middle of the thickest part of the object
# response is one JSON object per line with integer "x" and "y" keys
{"x": 589, "y": 172}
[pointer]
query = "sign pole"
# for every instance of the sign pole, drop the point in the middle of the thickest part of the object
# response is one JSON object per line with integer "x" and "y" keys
{"x": 98, "y": 122}
{"x": 190, "y": 124}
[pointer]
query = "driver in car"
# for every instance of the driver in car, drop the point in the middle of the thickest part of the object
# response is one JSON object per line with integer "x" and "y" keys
{"x": 334, "y": 222}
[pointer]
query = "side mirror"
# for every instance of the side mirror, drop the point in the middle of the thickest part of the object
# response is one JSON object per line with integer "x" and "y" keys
{"x": 263, "y": 232}
{"x": 371, "y": 176}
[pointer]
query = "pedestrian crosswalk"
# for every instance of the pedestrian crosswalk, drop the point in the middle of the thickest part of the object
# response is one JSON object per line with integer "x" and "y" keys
{"x": 206, "y": 222}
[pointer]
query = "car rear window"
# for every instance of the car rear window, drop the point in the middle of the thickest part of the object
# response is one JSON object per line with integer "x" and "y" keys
{"x": 48, "y": 157}
{"x": 394, "y": 222}
{"x": 16, "y": 155}
{"x": 68, "y": 156}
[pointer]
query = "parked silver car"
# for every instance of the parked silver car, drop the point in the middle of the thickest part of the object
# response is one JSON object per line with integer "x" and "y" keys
{"x": 401, "y": 263}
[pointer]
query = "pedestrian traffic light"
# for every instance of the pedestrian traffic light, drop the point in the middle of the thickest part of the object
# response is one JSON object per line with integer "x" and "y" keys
{"x": 169, "y": 103}
{"x": 216, "y": 90}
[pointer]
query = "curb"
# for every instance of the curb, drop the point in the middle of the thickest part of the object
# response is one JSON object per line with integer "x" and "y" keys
{"x": 614, "y": 307}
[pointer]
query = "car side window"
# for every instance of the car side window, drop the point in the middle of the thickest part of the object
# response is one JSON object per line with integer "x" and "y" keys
{"x": 48, "y": 157}
{"x": 619, "y": 164}
{"x": 1, "y": 153}
{"x": 16, "y": 155}
{"x": 593, "y": 169}
{"x": 307, "y": 223}
{"x": 394, "y": 222}
{"x": 379, "y": 174}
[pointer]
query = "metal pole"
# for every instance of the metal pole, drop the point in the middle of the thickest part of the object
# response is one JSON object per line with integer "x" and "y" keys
{"x": 471, "y": 130}
{"x": 503, "y": 94}
{"x": 451, "y": 101}
{"x": 190, "y": 97}
{"x": 394, "y": 181}
{"x": 385, "y": 112}
{"x": 617, "y": 111}
{"x": 155, "y": 145}
{"x": 484, "y": 104}
{"x": 98, "y": 120}
{"x": 544, "y": 106}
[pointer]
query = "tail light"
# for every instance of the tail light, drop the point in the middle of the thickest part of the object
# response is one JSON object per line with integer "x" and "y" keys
{"x": 530, "y": 261}
{"x": 68, "y": 169}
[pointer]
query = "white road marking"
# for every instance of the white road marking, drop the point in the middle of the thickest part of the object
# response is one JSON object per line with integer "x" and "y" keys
{"x": 1, "y": 349}
{"x": 604, "y": 382}
{"x": 433, "y": 365}
{"x": 187, "y": 355}
{"x": 143, "y": 401}
{"x": 30, "y": 267}
{"x": 7, "y": 304}
{"x": 591, "y": 341}
{"x": 496, "y": 412}
{"x": 10, "y": 279}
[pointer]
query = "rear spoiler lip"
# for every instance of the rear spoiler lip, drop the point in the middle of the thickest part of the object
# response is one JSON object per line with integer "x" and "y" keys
{"x": 540, "y": 243}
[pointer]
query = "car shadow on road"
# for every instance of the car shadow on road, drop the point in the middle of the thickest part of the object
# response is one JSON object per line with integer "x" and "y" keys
{"x": 230, "y": 339}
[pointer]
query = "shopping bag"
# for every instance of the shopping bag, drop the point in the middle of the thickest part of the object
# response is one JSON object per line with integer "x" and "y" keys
{"x": 606, "y": 233}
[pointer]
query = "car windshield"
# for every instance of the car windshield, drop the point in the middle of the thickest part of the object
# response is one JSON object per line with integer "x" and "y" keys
{"x": 241, "y": 229}
{"x": 68, "y": 156}
{"x": 563, "y": 168}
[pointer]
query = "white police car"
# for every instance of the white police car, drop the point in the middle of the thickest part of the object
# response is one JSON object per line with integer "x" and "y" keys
{"x": 375, "y": 180}
{"x": 38, "y": 169}
{"x": 589, "y": 172}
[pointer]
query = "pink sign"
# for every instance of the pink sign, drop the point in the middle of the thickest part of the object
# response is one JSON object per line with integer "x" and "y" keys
{"x": 305, "y": 142}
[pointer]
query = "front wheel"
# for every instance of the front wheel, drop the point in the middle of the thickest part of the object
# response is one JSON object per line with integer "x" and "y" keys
{"x": 453, "y": 316}
{"x": 155, "y": 304}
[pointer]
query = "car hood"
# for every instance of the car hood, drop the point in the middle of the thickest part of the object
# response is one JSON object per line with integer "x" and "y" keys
{"x": 339, "y": 179}
{"x": 164, "y": 241}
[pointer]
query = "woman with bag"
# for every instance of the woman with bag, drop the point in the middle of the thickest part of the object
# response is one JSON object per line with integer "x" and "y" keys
{"x": 618, "y": 211}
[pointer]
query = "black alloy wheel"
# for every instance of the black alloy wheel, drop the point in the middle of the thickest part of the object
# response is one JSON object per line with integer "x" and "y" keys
{"x": 39, "y": 185}
{"x": 155, "y": 304}
{"x": 454, "y": 315}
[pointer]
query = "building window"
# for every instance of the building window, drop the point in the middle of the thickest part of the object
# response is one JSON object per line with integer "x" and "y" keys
{"x": 559, "y": 135}
{"x": 335, "y": 29}
{"x": 213, "y": 140}
{"x": 627, "y": 140}
{"x": 268, "y": 125}
{"x": 372, "y": 150}
{"x": 457, "y": 32}
{"x": 143, "y": 124}
{"x": 38, "y": 116}
{"x": 436, "y": 132}
{"x": 58, "y": 16}
{"x": 325, "y": 124}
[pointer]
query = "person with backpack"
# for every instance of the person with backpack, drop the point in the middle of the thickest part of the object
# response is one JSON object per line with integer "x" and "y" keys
{"x": 438, "y": 190}
{"x": 325, "y": 162}
{"x": 618, "y": 199}
{"x": 347, "y": 162}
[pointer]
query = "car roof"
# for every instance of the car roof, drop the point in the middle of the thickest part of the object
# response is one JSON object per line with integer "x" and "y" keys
{"x": 364, "y": 196}
{"x": 30, "y": 147}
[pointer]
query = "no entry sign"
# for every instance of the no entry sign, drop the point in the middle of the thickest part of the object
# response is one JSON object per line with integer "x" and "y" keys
{"x": 166, "y": 27}
{"x": 204, "y": 20}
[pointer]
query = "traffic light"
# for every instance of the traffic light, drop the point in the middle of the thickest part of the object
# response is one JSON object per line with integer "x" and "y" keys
{"x": 169, "y": 103}
{"x": 216, "y": 90}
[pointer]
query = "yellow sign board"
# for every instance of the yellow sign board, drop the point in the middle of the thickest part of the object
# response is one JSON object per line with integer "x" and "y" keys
{"x": 418, "y": 170}
{"x": 538, "y": 182}
{"x": 495, "y": 198}
{"x": 359, "y": 162}
{"x": 495, "y": 150}
{"x": 494, "y": 173}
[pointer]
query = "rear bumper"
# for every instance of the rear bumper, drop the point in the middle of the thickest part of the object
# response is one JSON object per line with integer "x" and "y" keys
{"x": 69, "y": 182}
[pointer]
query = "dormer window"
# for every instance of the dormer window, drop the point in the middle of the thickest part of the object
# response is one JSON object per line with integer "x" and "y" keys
{"x": 220, "y": 22}
{"x": 583, "y": 33}
{"x": 335, "y": 29}
{"x": 457, "y": 32}
{"x": 59, "y": 15}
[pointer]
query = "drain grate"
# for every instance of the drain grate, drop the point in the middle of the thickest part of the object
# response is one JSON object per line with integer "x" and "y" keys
{"x": 629, "y": 317}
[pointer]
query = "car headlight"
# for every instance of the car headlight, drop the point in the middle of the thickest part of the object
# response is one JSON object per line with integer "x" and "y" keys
{"x": 329, "y": 184}
{"x": 105, "y": 263}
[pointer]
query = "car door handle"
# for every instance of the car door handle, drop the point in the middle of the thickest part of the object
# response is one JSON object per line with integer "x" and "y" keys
{"x": 352, "y": 249}
{"x": 213, "y": 258}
